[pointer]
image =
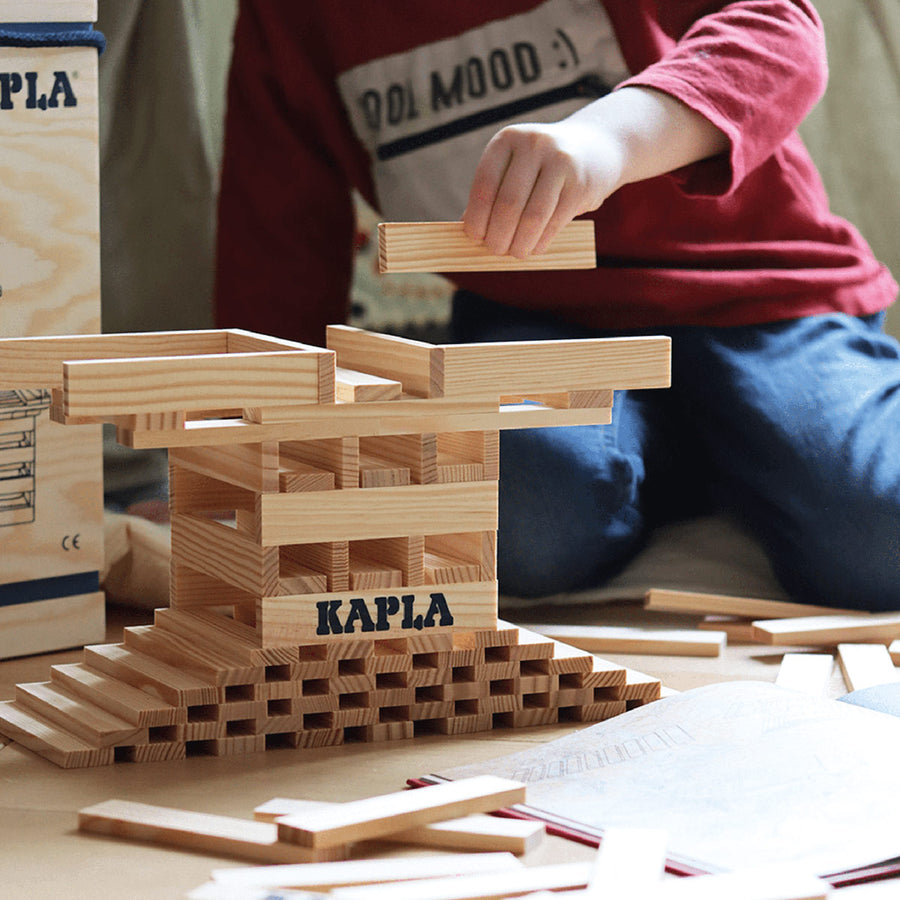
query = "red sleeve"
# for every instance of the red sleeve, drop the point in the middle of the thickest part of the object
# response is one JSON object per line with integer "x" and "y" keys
{"x": 753, "y": 68}
{"x": 285, "y": 218}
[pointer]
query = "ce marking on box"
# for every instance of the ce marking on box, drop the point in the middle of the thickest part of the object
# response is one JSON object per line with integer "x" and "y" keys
{"x": 71, "y": 542}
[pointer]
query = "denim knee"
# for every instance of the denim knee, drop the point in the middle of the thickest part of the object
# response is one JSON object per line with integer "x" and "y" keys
{"x": 567, "y": 518}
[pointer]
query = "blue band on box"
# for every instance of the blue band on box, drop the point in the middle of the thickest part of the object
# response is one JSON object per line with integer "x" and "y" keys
{"x": 51, "y": 34}
{"x": 49, "y": 588}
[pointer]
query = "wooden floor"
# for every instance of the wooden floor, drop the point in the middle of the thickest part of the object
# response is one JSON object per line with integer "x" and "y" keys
{"x": 43, "y": 854}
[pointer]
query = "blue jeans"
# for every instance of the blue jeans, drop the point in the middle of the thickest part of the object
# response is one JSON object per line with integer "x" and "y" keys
{"x": 791, "y": 427}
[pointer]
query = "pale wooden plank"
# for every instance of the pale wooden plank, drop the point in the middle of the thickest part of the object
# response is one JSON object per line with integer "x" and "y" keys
{"x": 77, "y": 716}
{"x": 560, "y": 877}
{"x": 866, "y": 665}
{"x": 38, "y": 361}
{"x": 222, "y": 835}
{"x": 444, "y": 247}
{"x": 308, "y": 618}
{"x": 225, "y": 553}
{"x": 47, "y": 739}
{"x": 156, "y": 384}
{"x": 727, "y": 605}
{"x": 629, "y": 860}
{"x": 477, "y": 832}
{"x": 327, "y": 876}
{"x": 339, "y": 456}
{"x": 613, "y": 639}
{"x": 415, "y": 364}
{"x": 357, "y": 515}
{"x": 351, "y": 386}
{"x": 473, "y": 371}
{"x": 123, "y": 700}
{"x": 373, "y": 817}
{"x": 254, "y": 467}
{"x": 808, "y": 673}
{"x": 829, "y": 631}
{"x": 152, "y": 675}
{"x": 417, "y": 453}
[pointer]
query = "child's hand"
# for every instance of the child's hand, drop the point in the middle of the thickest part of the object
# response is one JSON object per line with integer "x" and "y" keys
{"x": 534, "y": 179}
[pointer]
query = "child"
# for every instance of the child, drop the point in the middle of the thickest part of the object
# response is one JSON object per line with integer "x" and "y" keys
{"x": 673, "y": 126}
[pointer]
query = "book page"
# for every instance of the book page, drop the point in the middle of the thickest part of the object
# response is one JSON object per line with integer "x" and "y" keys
{"x": 739, "y": 774}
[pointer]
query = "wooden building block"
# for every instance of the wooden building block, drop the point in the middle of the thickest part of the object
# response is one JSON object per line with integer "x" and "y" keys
{"x": 613, "y": 639}
{"x": 77, "y": 716}
{"x": 377, "y": 816}
{"x": 724, "y": 605}
{"x": 477, "y": 832}
{"x": 629, "y": 861}
{"x": 484, "y": 370}
{"x": 808, "y": 673}
{"x": 225, "y": 553}
{"x": 444, "y": 247}
{"x": 152, "y": 675}
{"x": 47, "y": 739}
{"x": 737, "y": 629}
{"x": 866, "y": 665}
{"x": 560, "y": 877}
{"x": 415, "y": 364}
{"x": 328, "y": 876}
{"x": 357, "y": 515}
{"x": 829, "y": 631}
{"x": 340, "y": 456}
{"x": 360, "y": 387}
{"x": 254, "y": 467}
{"x": 295, "y": 477}
{"x": 414, "y": 453}
{"x": 127, "y": 702}
{"x": 374, "y": 472}
{"x": 222, "y": 835}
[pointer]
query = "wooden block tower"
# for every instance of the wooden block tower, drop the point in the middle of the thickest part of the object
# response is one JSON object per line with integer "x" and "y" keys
{"x": 51, "y": 480}
{"x": 334, "y": 516}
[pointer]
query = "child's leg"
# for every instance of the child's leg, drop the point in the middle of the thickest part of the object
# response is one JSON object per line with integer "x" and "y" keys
{"x": 802, "y": 421}
{"x": 572, "y": 500}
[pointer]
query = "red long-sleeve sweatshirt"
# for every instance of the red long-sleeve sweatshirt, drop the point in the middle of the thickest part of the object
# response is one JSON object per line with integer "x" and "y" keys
{"x": 398, "y": 98}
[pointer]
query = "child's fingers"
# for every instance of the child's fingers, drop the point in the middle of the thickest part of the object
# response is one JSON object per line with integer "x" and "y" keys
{"x": 488, "y": 176}
{"x": 540, "y": 210}
{"x": 567, "y": 208}
{"x": 512, "y": 197}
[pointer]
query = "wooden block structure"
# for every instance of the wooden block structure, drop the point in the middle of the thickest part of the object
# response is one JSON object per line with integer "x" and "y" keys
{"x": 51, "y": 496}
{"x": 333, "y": 560}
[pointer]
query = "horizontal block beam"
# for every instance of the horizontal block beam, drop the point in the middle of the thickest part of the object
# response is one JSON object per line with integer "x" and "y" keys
{"x": 377, "y": 614}
{"x": 378, "y": 512}
{"x": 223, "y": 381}
{"x": 444, "y": 247}
{"x": 488, "y": 370}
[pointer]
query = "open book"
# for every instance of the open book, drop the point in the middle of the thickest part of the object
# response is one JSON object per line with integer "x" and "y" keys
{"x": 740, "y": 774}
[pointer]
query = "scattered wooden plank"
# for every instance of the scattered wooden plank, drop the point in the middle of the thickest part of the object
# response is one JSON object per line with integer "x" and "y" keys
{"x": 326, "y": 876}
{"x": 808, "y": 673}
{"x": 615, "y": 639}
{"x": 866, "y": 665}
{"x": 561, "y": 877}
{"x": 629, "y": 861}
{"x": 726, "y": 605}
{"x": 477, "y": 832}
{"x": 829, "y": 631}
{"x": 222, "y": 835}
{"x": 377, "y": 816}
{"x": 444, "y": 247}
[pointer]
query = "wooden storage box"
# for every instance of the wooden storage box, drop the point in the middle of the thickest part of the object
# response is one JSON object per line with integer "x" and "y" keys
{"x": 51, "y": 495}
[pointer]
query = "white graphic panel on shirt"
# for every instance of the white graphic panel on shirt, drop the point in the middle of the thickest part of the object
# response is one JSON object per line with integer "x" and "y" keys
{"x": 426, "y": 115}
